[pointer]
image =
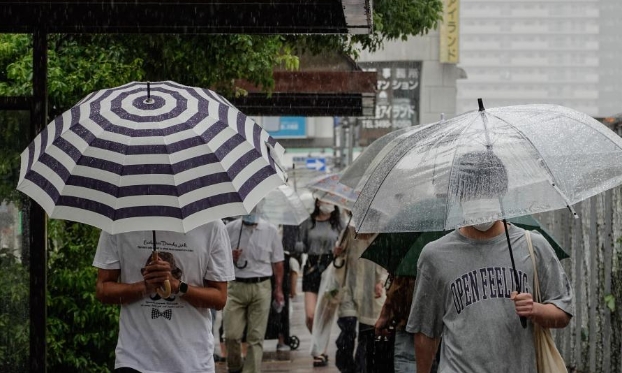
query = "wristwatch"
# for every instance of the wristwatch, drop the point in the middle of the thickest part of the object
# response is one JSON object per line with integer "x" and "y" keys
{"x": 183, "y": 288}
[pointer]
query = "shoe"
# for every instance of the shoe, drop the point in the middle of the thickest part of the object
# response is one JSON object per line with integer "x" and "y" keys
{"x": 283, "y": 347}
{"x": 320, "y": 361}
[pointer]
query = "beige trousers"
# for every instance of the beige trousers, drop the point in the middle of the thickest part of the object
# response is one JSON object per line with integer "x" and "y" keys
{"x": 248, "y": 305}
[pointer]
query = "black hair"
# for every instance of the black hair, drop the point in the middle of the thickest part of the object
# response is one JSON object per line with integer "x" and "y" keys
{"x": 477, "y": 175}
{"x": 335, "y": 221}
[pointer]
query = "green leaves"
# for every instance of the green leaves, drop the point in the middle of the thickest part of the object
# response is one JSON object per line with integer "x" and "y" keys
{"x": 82, "y": 332}
{"x": 610, "y": 302}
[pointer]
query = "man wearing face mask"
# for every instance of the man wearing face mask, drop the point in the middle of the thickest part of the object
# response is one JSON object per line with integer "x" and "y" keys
{"x": 257, "y": 255}
{"x": 465, "y": 289}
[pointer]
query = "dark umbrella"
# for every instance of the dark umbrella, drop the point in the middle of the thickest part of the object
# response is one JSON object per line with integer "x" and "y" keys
{"x": 398, "y": 253}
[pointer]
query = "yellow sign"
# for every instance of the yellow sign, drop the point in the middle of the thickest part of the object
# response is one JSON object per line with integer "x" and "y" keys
{"x": 450, "y": 32}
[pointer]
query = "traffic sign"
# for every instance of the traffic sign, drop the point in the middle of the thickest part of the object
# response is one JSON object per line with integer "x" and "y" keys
{"x": 318, "y": 164}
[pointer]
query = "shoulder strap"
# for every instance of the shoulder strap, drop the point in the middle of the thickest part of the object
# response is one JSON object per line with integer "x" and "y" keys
{"x": 536, "y": 282}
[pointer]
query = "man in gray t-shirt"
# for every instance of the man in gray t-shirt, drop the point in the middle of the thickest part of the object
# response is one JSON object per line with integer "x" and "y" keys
{"x": 466, "y": 289}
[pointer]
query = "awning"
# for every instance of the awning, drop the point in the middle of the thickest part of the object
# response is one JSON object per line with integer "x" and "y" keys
{"x": 312, "y": 93}
{"x": 187, "y": 16}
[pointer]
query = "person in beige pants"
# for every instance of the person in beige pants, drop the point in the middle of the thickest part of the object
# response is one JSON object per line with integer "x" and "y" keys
{"x": 257, "y": 255}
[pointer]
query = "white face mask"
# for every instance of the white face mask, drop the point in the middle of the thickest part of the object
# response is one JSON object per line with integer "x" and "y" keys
{"x": 326, "y": 209}
{"x": 482, "y": 209}
{"x": 484, "y": 226}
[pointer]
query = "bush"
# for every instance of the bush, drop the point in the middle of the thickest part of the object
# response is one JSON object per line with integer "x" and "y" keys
{"x": 82, "y": 332}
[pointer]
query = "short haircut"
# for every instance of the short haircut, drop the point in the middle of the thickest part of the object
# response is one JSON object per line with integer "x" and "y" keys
{"x": 478, "y": 175}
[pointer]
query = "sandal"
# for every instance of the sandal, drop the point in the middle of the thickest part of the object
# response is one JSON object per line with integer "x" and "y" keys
{"x": 320, "y": 361}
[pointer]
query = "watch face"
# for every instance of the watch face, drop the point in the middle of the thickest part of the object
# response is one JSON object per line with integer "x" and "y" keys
{"x": 183, "y": 287}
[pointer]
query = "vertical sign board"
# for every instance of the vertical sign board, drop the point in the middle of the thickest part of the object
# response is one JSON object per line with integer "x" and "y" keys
{"x": 286, "y": 127}
{"x": 450, "y": 32}
{"x": 397, "y": 98}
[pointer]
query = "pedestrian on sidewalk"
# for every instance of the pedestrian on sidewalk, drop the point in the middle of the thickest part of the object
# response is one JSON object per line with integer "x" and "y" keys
{"x": 318, "y": 236}
{"x": 363, "y": 296}
{"x": 480, "y": 327}
{"x": 172, "y": 334}
{"x": 395, "y": 312}
{"x": 257, "y": 255}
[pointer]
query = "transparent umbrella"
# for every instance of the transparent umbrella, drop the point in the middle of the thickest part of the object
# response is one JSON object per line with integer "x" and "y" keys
{"x": 283, "y": 206}
{"x": 353, "y": 174}
{"x": 552, "y": 157}
{"x": 330, "y": 183}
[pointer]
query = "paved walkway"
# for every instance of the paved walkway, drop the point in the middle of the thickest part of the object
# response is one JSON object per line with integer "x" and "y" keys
{"x": 299, "y": 360}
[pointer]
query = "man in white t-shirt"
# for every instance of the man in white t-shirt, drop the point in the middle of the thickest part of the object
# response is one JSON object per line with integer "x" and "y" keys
{"x": 257, "y": 254}
{"x": 165, "y": 335}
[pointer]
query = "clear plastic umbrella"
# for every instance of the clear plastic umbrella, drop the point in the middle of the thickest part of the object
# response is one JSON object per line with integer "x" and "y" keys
{"x": 353, "y": 174}
{"x": 329, "y": 188}
{"x": 552, "y": 156}
{"x": 283, "y": 206}
{"x": 335, "y": 199}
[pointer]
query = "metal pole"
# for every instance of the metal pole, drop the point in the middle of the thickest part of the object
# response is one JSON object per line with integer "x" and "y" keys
{"x": 37, "y": 231}
{"x": 350, "y": 142}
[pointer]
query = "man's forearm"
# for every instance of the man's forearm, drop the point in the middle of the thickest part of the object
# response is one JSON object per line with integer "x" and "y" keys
{"x": 277, "y": 269}
{"x": 206, "y": 297}
{"x": 549, "y": 316}
{"x": 425, "y": 351}
{"x": 119, "y": 293}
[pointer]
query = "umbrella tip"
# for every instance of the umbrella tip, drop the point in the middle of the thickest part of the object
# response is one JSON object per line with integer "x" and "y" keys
{"x": 149, "y": 100}
{"x": 481, "y": 104}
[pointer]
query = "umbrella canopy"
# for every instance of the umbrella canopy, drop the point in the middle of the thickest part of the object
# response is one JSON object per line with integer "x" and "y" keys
{"x": 342, "y": 202}
{"x": 398, "y": 253}
{"x": 353, "y": 174}
{"x": 159, "y": 156}
{"x": 328, "y": 188}
{"x": 548, "y": 156}
{"x": 283, "y": 206}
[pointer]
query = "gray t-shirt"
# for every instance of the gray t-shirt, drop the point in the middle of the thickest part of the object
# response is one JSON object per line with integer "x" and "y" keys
{"x": 462, "y": 294}
{"x": 318, "y": 240}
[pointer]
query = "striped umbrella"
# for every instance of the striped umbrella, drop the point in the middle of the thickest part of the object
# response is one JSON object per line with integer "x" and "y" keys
{"x": 159, "y": 156}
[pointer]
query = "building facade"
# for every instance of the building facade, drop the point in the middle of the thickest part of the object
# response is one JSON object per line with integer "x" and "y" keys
{"x": 564, "y": 52}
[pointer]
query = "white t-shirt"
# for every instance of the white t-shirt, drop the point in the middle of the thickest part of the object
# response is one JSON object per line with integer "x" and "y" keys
{"x": 261, "y": 246}
{"x": 167, "y": 335}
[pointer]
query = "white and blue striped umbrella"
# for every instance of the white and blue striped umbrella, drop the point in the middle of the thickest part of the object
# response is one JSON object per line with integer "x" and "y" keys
{"x": 159, "y": 156}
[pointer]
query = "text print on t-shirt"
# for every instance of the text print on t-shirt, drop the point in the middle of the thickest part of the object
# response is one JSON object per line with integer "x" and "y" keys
{"x": 486, "y": 283}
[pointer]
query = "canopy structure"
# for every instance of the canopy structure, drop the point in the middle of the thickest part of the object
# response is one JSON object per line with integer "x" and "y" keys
{"x": 187, "y": 16}
{"x": 312, "y": 93}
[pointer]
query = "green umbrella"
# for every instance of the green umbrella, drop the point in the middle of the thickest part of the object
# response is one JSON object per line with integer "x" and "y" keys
{"x": 398, "y": 253}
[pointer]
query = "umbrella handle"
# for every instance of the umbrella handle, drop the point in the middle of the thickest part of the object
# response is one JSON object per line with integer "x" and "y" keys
{"x": 343, "y": 262}
{"x": 165, "y": 290}
{"x": 243, "y": 265}
{"x": 523, "y": 319}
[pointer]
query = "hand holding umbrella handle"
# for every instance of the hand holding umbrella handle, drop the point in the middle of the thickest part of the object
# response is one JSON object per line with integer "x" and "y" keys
{"x": 165, "y": 290}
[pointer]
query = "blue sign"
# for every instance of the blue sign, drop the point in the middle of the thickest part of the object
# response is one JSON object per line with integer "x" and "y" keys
{"x": 291, "y": 127}
{"x": 318, "y": 164}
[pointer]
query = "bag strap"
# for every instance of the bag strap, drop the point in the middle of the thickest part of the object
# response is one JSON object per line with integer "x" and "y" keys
{"x": 536, "y": 281}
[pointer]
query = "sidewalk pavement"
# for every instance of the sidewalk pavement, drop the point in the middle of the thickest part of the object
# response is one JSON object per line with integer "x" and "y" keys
{"x": 299, "y": 360}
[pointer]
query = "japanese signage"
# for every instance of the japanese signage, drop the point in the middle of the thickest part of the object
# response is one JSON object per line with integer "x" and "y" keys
{"x": 397, "y": 98}
{"x": 449, "y": 32}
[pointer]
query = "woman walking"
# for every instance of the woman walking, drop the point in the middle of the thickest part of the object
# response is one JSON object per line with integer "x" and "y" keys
{"x": 318, "y": 236}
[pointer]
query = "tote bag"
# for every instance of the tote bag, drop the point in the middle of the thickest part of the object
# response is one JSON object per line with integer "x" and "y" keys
{"x": 548, "y": 358}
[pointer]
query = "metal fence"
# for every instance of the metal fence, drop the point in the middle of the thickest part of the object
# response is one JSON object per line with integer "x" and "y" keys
{"x": 592, "y": 342}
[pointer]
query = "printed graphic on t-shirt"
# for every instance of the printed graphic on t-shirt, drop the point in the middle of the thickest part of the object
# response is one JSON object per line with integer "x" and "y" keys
{"x": 488, "y": 283}
{"x": 158, "y": 308}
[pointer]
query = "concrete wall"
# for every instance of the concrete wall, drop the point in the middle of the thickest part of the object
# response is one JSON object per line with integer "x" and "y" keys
{"x": 438, "y": 81}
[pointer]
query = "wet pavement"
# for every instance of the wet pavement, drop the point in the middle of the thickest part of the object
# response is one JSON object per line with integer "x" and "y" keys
{"x": 299, "y": 360}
